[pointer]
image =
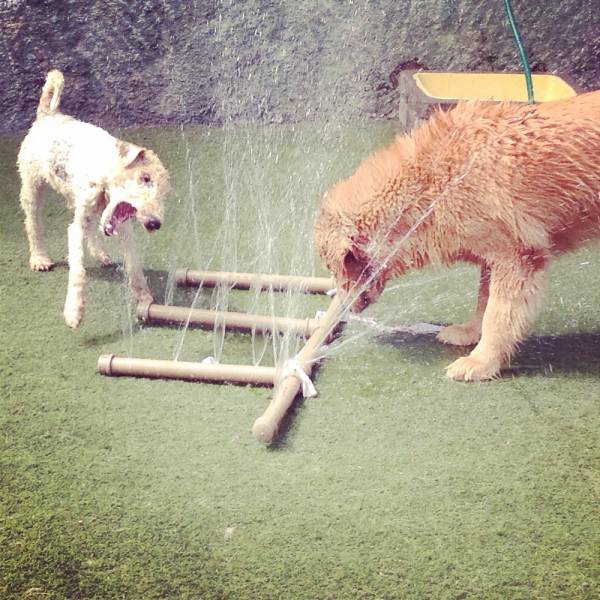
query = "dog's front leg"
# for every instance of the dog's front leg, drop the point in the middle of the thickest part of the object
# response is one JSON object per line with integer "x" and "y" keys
{"x": 95, "y": 242}
{"x": 516, "y": 290}
{"x": 133, "y": 266}
{"x": 469, "y": 333}
{"x": 75, "y": 301}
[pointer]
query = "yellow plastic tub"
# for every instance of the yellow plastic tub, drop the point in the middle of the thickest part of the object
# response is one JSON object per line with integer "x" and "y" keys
{"x": 491, "y": 86}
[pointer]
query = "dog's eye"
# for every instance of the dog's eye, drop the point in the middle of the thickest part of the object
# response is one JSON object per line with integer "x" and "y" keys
{"x": 145, "y": 178}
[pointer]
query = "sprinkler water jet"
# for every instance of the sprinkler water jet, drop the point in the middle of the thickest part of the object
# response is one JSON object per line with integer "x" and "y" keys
{"x": 289, "y": 379}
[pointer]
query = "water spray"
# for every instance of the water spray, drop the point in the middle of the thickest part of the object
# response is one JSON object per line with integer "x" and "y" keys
{"x": 289, "y": 379}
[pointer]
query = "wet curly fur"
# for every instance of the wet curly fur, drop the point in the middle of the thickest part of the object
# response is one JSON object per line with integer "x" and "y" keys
{"x": 505, "y": 186}
{"x": 104, "y": 180}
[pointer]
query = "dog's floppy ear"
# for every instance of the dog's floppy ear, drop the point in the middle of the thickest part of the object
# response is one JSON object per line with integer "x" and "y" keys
{"x": 354, "y": 264}
{"x": 130, "y": 154}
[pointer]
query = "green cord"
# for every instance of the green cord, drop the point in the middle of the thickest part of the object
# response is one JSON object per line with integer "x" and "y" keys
{"x": 522, "y": 53}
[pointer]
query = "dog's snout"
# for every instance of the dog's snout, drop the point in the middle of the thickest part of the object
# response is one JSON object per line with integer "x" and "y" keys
{"x": 360, "y": 304}
{"x": 356, "y": 302}
{"x": 152, "y": 224}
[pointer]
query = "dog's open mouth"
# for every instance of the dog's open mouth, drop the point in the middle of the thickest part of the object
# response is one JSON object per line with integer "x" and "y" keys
{"x": 121, "y": 213}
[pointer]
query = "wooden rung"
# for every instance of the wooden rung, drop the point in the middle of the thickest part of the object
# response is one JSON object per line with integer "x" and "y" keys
{"x": 180, "y": 315}
{"x": 246, "y": 281}
{"x": 109, "y": 364}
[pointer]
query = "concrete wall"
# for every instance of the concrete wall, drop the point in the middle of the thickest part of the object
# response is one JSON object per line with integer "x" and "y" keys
{"x": 167, "y": 61}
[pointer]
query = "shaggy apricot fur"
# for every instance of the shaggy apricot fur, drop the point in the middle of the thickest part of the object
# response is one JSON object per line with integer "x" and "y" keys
{"x": 505, "y": 186}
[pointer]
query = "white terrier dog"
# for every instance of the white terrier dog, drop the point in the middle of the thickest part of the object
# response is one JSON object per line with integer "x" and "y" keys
{"x": 104, "y": 180}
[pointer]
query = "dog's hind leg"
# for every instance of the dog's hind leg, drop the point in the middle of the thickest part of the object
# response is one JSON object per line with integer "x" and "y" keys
{"x": 133, "y": 266}
{"x": 32, "y": 203}
{"x": 469, "y": 333}
{"x": 516, "y": 291}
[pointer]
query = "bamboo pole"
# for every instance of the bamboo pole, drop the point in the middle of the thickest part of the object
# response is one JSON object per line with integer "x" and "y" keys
{"x": 180, "y": 315}
{"x": 109, "y": 364}
{"x": 266, "y": 426}
{"x": 246, "y": 281}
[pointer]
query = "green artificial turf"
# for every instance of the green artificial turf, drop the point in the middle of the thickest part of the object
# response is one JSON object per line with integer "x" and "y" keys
{"x": 393, "y": 483}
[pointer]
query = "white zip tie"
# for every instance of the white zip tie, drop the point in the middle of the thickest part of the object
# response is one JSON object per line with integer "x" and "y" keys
{"x": 292, "y": 367}
{"x": 209, "y": 360}
{"x": 331, "y": 292}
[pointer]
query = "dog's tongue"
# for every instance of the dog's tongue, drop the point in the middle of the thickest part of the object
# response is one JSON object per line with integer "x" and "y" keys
{"x": 122, "y": 212}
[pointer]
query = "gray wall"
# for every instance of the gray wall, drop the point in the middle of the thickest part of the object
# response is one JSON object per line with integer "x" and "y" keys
{"x": 162, "y": 61}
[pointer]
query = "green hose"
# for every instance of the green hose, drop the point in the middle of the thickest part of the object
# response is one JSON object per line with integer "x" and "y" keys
{"x": 522, "y": 53}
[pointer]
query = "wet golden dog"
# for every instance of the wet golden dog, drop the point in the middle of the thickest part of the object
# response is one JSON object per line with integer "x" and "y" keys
{"x": 505, "y": 186}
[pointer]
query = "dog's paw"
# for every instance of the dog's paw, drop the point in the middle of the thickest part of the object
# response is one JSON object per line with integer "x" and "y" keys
{"x": 473, "y": 368}
{"x": 39, "y": 262}
{"x": 459, "y": 335}
{"x": 104, "y": 259}
{"x": 73, "y": 314}
{"x": 143, "y": 297}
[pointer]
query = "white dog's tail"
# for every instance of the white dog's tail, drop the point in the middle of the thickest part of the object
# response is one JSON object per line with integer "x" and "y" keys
{"x": 50, "y": 98}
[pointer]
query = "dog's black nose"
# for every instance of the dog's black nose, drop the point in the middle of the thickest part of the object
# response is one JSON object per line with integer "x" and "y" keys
{"x": 152, "y": 224}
